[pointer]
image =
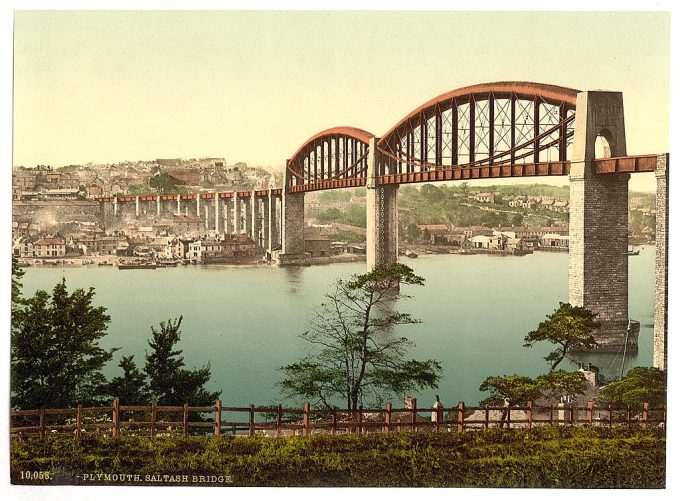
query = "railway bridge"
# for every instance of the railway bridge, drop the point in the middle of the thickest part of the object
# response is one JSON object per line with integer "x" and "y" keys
{"x": 494, "y": 130}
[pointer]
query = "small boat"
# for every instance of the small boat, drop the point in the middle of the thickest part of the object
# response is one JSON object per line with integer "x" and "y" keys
{"x": 632, "y": 252}
{"x": 104, "y": 263}
{"x": 137, "y": 266}
{"x": 410, "y": 253}
{"x": 167, "y": 263}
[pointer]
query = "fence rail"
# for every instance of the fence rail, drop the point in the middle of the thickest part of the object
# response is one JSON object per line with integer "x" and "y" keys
{"x": 163, "y": 420}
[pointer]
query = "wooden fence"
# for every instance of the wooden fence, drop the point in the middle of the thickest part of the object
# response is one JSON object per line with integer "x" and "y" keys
{"x": 160, "y": 420}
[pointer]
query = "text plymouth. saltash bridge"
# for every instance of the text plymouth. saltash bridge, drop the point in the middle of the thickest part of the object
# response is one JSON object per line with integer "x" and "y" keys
{"x": 495, "y": 130}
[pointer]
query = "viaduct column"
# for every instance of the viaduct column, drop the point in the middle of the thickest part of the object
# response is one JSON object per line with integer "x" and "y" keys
{"x": 253, "y": 217}
{"x": 598, "y": 221}
{"x": 137, "y": 206}
{"x": 115, "y": 206}
{"x": 266, "y": 210}
{"x": 179, "y": 204}
{"x": 158, "y": 205}
{"x": 227, "y": 217}
{"x": 217, "y": 212}
{"x": 381, "y": 215}
{"x": 237, "y": 213}
{"x": 248, "y": 207}
{"x": 198, "y": 204}
{"x": 292, "y": 224}
{"x": 661, "y": 268}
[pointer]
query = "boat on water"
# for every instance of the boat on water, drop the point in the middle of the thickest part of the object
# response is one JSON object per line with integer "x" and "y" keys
{"x": 167, "y": 263}
{"x": 138, "y": 266}
{"x": 410, "y": 253}
{"x": 632, "y": 252}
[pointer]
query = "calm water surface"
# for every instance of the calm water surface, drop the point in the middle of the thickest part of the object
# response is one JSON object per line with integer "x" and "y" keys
{"x": 475, "y": 312}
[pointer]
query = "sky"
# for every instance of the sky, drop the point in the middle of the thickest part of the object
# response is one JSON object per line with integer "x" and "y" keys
{"x": 98, "y": 86}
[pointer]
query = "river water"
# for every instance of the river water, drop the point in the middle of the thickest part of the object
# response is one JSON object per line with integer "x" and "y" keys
{"x": 475, "y": 312}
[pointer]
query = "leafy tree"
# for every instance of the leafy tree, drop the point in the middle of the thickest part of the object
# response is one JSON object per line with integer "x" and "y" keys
{"x": 17, "y": 275}
{"x": 521, "y": 389}
{"x": 169, "y": 382}
{"x": 569, "y": 327}
{"x": 412, "y": 232}
{"x": 640, "y": 385}
{"x": 131, "y": 388}
{"x": 556, "y": 384}
{"x": 164, "y": 183}
{"x": 517, "y": 219}
{"x": 518, "y": 389}
{"x": 56, "y": 360}
{"x": 354, "y": 356}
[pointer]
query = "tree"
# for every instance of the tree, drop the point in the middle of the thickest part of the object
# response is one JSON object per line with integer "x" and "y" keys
{"x": 16, "y": 299}
{"x": 354, "y": 356}
{"x": 164, "y": 183}
{"x": 517, "y": 219}
{"x": 569, "y": 327}
{"x": 521, "y": 389}
{"x": 131, "y": 388}
{"x": 56, "y": 360}
{"x": 412, "y": 232}
{"x": 517, "y": 389}
{"x": 169, "y": 382}
{"x": 640, "y": 385}
{"x": 557, "y": 384}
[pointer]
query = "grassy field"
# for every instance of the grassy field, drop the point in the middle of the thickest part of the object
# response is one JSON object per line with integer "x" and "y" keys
{"x": 569, "y": 457}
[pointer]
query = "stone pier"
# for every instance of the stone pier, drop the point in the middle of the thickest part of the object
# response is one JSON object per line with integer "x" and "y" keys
{"x": 217, "y": 212}
{"x": 381, "y": 216}
{"x": 293, "y": 226}
{"x": 253, "y": 217}
{"x": 661, "y": 268}
{"x": 237, "y": 213}
{"x": 598, "y": 221}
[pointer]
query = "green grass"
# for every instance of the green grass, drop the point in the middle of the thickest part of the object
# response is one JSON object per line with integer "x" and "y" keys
{"x": 565, "y": 457}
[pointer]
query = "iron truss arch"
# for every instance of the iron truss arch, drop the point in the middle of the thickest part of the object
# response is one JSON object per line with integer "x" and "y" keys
{"x": 487, "y": 130}
{"x": 333, "y": 158}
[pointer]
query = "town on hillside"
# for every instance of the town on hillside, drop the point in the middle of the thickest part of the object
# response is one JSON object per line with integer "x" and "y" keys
{"x": 57, "y": 220}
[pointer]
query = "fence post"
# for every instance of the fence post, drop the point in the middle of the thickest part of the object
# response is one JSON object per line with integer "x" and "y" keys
{"x": 589, "y": 412}
{"x": 551, "y": 414}
{"x": 115, "y": 418}
{"x": 388, "y": 418}
{"x": 509, "y": 416}
{"x": 278, "y": 420}
{"x": 461, "y": 416}
{"x": 414, "y": 413}
{"x": 645, "y": 414}
{"x": 153, "y": 420}
{"x": 79, "y": 420}
{"x": 398, "y": 425}
{"x": 42, "y": 424}
{"x": 572, "y": 415}
{"x": 305, "y": 419}
{"x": 530, "y": 409}
{"x": 361, "y": 418}
{"x": 486, "y": 417}
{"x": 628, "y": 415}
{"x": 609, "y": 407}
{"x": 218, "y": 418}
{"x": 438, "y": 419}
{"x": 185, "y": 420}
{"x": 334, "y": 426}
{"x": 251, "y": 420}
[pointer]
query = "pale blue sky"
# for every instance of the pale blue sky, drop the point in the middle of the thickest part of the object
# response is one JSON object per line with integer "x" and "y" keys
{"x": 252, "y": 86}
